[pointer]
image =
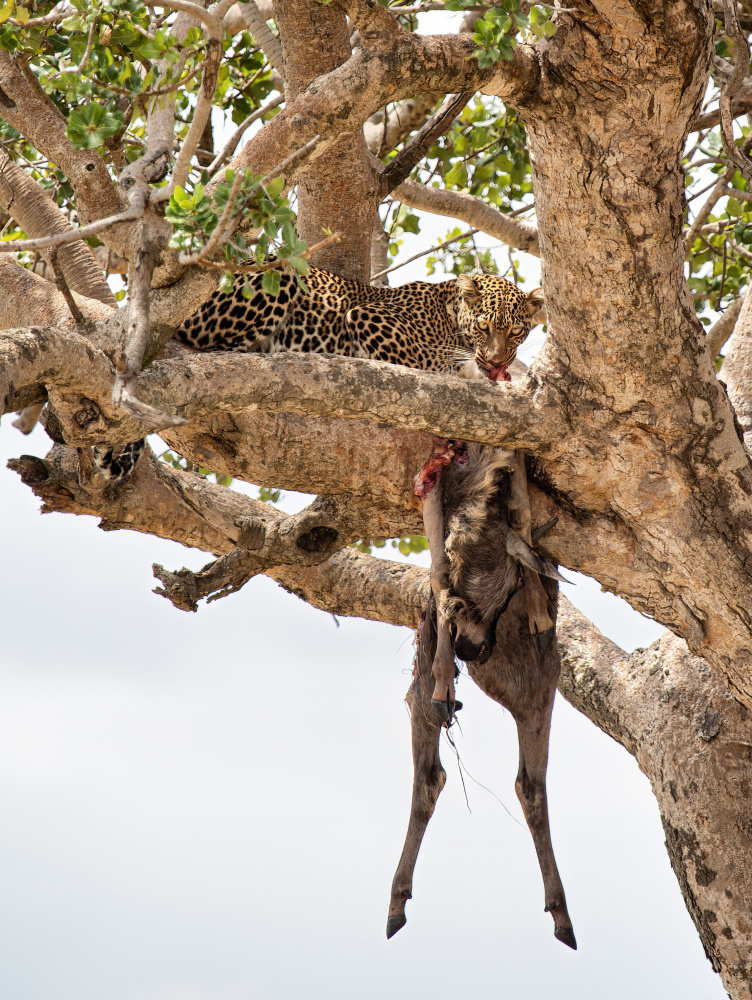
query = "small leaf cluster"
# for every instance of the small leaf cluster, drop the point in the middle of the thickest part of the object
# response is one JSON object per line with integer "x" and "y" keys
{"x": 495, "y": 34}
{"x": 461, "y": 257}
{"x": 134, "y": 57}
{"x": 485, "y": 154}
{"x": 90, "y": 124}
{"x": 186, "y": 465}
{"x": 403, "y": 220}
{"x": 194, "y": 217}
{"x": 718, "y": 266}
{"x": 408, "y": 544}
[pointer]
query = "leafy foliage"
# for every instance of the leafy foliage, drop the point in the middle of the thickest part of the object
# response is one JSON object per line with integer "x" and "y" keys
{"x": 195, "y": 217}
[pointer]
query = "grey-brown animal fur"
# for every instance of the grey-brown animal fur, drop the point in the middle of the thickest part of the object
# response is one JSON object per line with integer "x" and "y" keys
{"x": 484, "y": 606}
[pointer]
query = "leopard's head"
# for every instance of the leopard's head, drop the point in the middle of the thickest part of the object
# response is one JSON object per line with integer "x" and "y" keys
{"x": 496, "y": 317}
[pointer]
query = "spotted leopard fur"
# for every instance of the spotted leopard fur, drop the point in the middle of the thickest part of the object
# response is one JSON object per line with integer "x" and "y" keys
{"x": 421, "y": 325}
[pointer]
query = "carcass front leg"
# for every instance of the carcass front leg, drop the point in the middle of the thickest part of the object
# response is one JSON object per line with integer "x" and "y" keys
{"x": 443, "y": 662}
{"x": 533, "y": 726}
{"x": 539, "y": 621}
{"x": 428, "y": 774}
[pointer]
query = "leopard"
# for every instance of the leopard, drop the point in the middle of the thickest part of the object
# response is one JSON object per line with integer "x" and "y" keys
{"x": 420, "y": 325}
{"x": 480, "y": 319}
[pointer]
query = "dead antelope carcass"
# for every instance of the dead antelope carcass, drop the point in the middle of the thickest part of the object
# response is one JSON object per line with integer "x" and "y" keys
{"x": 493, "y": 604}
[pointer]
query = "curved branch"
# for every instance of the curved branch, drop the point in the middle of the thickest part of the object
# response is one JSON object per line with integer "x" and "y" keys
{"x": 37, "y": 214}
{"x": 341, "y": 101}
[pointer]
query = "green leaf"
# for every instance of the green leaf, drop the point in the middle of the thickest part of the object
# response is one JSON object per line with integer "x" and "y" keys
{"x": 149, "y": 50}
{"x": 227, "y": 282}
{"x": 6, "y": 10}
{"x": 275, "y": 185}
{"x": 270, "y": 282}
{"x": 457, "y": 175}
{"x": 90, "y": 125}
{"x": 299, "y": 263}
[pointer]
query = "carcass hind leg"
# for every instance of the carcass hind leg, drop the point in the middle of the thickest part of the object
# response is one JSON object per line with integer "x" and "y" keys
{"x": 443, "y": 662}
{"x": 541, "y": 626}
{"x": 428, "y": 774}
{"x": 533, "y": 726}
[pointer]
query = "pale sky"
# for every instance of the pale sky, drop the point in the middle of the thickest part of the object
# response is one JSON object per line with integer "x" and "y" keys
{"x": 210, "y": 806}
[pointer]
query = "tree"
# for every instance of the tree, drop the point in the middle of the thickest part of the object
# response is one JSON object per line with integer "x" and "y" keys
{"x": 641, "y": 450}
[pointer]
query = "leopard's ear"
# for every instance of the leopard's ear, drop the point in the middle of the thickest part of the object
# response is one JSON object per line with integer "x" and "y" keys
{"x": 468, "y": 289}
{"x": 536, "y": 306}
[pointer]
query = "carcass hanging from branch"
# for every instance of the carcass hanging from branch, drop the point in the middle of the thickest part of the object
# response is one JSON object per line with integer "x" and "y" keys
{"x": 493, "y": 604}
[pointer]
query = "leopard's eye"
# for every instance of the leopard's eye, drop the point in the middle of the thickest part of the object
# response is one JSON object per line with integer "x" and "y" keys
{"x": 482, "y": 325}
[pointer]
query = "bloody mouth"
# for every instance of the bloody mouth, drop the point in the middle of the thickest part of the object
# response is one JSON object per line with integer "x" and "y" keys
{"x": 499, "y": 374}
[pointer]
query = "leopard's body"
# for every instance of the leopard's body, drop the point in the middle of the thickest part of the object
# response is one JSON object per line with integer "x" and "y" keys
{"x": 420, "y": 325}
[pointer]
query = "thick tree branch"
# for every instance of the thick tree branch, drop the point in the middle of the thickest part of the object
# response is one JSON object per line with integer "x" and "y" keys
{"x": 398, "y": 169}
{"x": 522, "y": 415}
{"x": 339, "y": 102}
{"x": 26, "y": 299}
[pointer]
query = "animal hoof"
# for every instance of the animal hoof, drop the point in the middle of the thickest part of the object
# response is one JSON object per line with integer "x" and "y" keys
{"x": 563, "y": 934}
{"x": 544, "y": 639}
{"x": 396, "y": 923}
{"x": 445, "y": 710}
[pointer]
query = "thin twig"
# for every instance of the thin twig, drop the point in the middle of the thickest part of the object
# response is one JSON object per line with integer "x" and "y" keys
{"x": 719, "y": 189}
{"x": 148, "y": 93}
{"x": 35, "y": 22}
{"x": 734, "y": 82}
{"x": 270, "y": 265}
{"x": 62, "y": 287}
{"x": 135, "y": 211}
{"x": 229, "y": 147}
{"x": 423, "y": 253}
{"x": 723, "y": 277}
{"x": 77, "y": 70}
{"x": 742, "y": 251}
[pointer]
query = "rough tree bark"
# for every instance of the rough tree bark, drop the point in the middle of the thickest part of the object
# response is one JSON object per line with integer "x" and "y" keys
{"x": 637, "y": 447}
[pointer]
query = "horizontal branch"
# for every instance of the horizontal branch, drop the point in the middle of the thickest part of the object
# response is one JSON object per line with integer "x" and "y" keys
{"x": 135, "y": 211}
{"x": 519, "y": 415}
{"x": 459, "y": 205}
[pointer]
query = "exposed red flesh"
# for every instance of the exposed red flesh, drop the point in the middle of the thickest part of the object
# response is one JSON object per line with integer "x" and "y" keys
{"x": 444, "y": 450}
